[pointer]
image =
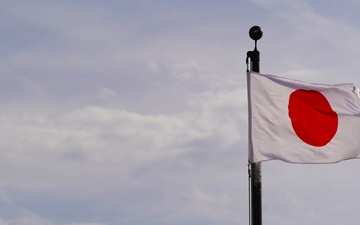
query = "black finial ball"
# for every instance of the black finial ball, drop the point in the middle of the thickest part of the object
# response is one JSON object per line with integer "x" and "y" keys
{"x": 255, "y": 33}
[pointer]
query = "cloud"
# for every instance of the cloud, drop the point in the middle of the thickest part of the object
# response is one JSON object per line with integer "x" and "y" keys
{"x": 108, "y": 108}
{"x": 35, "y": 220}
{"x": 28, "y": 220}
{"x": 106, "y": 93}
{"x": 308, "y": 42}
{"x": 118, "y": 151}
{"x": 85, "y": 224}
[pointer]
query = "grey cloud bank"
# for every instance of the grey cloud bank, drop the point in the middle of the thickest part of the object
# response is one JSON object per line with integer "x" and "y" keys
{"x": 135, "y": 112}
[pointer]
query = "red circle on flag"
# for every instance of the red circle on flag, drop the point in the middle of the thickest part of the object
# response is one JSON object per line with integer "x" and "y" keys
{"x": 312, "y": 118}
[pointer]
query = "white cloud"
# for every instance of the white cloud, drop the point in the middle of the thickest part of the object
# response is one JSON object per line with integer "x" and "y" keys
{"x": 85, "y": 224}
{"x": 99, "y": 144}
{"x": 106, "y": 93}
{"x": 29, "y": 220}
{"x": 2, "y": 222}
{"x": 35, "y": 220}
{"x": 109, "y": 107}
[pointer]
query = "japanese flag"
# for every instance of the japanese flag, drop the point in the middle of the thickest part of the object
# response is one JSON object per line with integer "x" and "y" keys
{"x": 300, "y": 122}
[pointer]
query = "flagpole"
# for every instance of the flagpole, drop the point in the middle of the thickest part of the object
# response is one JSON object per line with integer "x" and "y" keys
{"x": 255, "y": 33}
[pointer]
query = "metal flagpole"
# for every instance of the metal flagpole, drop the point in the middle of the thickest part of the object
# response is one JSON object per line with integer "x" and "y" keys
{"x": 255, "y": 33}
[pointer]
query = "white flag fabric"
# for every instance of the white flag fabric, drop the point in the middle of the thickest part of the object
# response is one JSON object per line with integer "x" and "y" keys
{"x": 299, "y": 122}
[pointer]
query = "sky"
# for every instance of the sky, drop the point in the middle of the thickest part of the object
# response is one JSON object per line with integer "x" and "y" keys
{"x": 134, "y": 112}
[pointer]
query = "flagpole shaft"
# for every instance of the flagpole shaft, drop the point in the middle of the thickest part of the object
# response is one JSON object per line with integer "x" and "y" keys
{"x": 255, "y": 173}
{"x": 256, "y": 201}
